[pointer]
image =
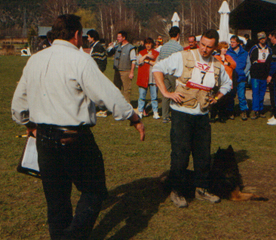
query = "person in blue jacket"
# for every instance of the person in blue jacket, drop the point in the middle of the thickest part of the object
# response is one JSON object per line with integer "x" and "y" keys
{"x": 240, "y": 56}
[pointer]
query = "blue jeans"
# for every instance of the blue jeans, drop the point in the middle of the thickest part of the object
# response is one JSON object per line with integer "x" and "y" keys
{"x": 258, "y": 93}
{"x": 240, "y": 90}
{"x": 142, "y": 97}
{"x": 241, "y": 96}
{"x": 190, "y": 134}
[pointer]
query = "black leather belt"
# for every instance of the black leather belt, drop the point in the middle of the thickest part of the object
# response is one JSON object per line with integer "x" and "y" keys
{"x": 55, "y": 132}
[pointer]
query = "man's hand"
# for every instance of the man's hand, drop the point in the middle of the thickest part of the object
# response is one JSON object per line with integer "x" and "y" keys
{"x": 175, "y": 96}
{"x": 136, "y": 122}
{"x": 268, "y": 80}
{"x": 31, "y": 132}
{"x": 213, "y": 100}
{"x": 141, "y": 129}
{"x": 131, "y": 75}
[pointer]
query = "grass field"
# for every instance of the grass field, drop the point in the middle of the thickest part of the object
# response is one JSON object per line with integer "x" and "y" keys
{"x": 137, "y": 207}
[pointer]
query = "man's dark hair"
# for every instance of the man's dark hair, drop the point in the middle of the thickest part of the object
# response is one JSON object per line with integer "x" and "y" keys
{"x": 246, "y": 36}
{"x": 211, "y": 33}
{"x": 174, "y": 31}
{"x": 50, "y": 36}
{"x": 236, "y": 38}
{"x": 273, "y": 33}
{"x": 192, "y": 36}
{"x": 124, "y": 34}
{"x": 93, "y": 34}
{"x": 65, "y": 27}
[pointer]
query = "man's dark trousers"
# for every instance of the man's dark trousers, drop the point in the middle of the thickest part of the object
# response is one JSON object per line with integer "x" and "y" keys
{"x": 79, "y": 162}
{"x": 190, "y": 133}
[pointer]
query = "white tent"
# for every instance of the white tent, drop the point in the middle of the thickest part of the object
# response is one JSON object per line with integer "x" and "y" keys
{"x": 224, "y": 22}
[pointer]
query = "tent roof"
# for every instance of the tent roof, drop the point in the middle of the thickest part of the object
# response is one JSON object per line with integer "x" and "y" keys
{"x": 42, "y": 31}
{"x": 257, "y": 15}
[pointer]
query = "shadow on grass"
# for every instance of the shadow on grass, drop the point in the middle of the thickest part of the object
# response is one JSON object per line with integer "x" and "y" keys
{"x": 132, "y": 206}
{"x": 241, "y": 156}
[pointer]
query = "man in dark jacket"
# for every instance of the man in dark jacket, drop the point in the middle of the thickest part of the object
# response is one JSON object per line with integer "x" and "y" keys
{"x": 249, "y": 43}
{"x": 271, "y": 79}
{"x": 240, "y": 56}
{"x": 260, "y": 62}
{"x": 97, "y": 52}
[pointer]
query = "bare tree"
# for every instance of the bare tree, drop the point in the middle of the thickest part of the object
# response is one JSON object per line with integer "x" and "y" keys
{"x": 54, "y": 8}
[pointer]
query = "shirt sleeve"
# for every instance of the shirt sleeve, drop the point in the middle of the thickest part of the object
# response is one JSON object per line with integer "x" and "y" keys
{"x": 172, "y": 65}
{"x": 248, "y": 65}
{"x": 102, "y": 91}
{"x": 132, "y": 55}
{"x": 138, "y": 59}
{"x": 226, "y": 82}
{"x": 20, "y": 108}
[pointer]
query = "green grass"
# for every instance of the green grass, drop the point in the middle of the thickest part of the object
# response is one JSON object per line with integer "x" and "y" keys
{"x": 137, "y": 207}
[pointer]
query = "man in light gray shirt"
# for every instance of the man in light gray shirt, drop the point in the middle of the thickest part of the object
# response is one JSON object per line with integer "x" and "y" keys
{"x": 55, "y": 99}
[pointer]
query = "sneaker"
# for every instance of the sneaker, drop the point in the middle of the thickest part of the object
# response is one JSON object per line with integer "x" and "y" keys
{"x": 271, "y": 119}
{"x": 166, "y": 120}
{"x": 262, "y": 115}
{"x": 244, "y": 116}
{"x": 232, "y": 117}
{"x": 178, "y": 200}
{"x": 272, "y": 122}
{"x": 156, "y": 115}
{"x": 203, "y": 194}
{"x": 140, "y": 114}
{"x": 255, "y": 115}
{"x": 101, "y": 113}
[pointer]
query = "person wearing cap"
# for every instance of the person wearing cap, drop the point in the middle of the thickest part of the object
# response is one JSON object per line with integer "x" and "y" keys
{"x": 158, "y": 44}
{"x": 260, "y": 62}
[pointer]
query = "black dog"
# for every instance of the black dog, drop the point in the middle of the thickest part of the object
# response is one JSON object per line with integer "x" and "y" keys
{"x": 225, "y": 179}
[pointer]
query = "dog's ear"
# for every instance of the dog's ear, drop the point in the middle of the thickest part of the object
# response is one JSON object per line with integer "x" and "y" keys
{"x": 230, "y": 149}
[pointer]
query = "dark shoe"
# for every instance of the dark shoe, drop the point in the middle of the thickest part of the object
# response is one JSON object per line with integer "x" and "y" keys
{"x": 244, "y": 116}
{"x": 178, "y": 200}
{"x": 203, "y": 194}
{"x": 166, "y": 120}
{"x": 212, "y": 120}
{"x": 254, "y": 115}
{"x": 231, "y": 116}
{"x": 262, "y": 115}
{"x": 222, "y": 120}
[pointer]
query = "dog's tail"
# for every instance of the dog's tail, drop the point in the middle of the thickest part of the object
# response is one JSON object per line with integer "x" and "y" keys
{"x": 237, "y": 195}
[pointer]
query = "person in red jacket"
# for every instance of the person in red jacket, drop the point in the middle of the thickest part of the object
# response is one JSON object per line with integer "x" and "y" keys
{"x": 146, "y": 59}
